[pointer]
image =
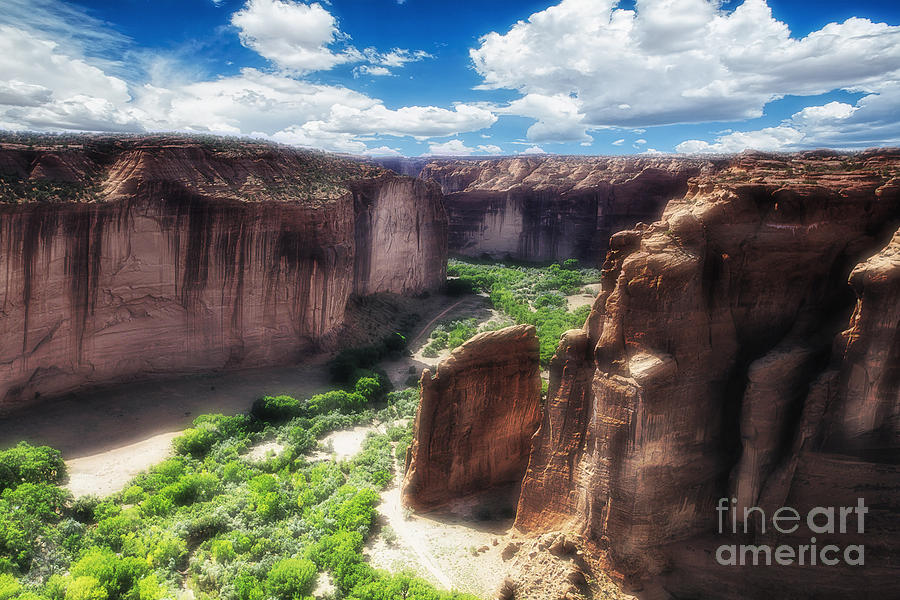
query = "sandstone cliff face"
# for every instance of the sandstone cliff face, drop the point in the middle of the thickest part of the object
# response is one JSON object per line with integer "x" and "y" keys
{"x": 706, "y": 370}
{"x": 178, "y": 257}
{"x": 550, "y": 208}
{"x": 476, "y": 418}
{"x": 400, "y": 244}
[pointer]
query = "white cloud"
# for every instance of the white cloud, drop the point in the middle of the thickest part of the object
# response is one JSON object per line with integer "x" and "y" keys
{"x": 292, "y": 35}
{"x": 375, "y": 70}
{"x": 450, "y": 148}
{"x": 619, "y": 142}
{"x": 396, "y": 57}
{"x": 640, "y": 142}
{"x": 44, "y": 87}
{"x": 383, "y": 151}
{"x": 49, "y": 85}
{"x": 871, "y": 122}
{"x": 673, "y": 61}
{"x": 533, "y": 150}
{"x": 558, "y": 117}
{"x": 302, "y": 37}
{"x": 490, "y": 149}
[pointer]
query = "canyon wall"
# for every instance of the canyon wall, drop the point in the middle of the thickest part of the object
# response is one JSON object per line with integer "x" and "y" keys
{"x": 476, "y": 418}
{"x": 133, "y": 258}
{"x": 717, "y": 362}
{"x": 550, "y": 208}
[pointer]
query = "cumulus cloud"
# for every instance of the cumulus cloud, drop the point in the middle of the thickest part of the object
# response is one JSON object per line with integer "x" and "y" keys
{"x": 533, "y": 150}
{"x": 673, "y": 61}
{"x": 449, "y": 148}
{"x": 872, "y": 121}
{"x": 51, "y": 85}
{"x": 490, "y": 149}
{"x": 619, "y": 142}
{"x": 292, "y": 35}
{"x": 457, "y": 147}
{"x": 303, "y": 37}
{"x": 44, "y": 87}
{"x": 383, "y": 151}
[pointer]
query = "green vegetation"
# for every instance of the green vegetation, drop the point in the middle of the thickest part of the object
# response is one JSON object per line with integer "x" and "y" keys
{"x": 212, "y": 519}
{"x": 531, "y": 295}
{"x": 450, "y": 335}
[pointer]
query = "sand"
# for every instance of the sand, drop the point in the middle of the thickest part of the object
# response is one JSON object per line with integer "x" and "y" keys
{"x": 108, "y": 436}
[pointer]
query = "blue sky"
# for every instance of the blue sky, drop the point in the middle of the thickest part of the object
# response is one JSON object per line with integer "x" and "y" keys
{"x": 469, "y": 77}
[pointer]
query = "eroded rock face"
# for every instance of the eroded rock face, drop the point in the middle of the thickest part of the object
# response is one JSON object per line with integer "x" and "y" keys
{"x": 476, "y": 418}
{"x": 551, "y": 208}
{"x": 707, "y": 369}
{"x": 135, "y": 258}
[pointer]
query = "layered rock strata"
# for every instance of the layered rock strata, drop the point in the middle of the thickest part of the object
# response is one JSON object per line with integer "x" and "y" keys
{"x": 134, "y": 258}
{"x": 707, "y": 370}
{"x": 552, "y": 208}
{"x": 476, "y": 417}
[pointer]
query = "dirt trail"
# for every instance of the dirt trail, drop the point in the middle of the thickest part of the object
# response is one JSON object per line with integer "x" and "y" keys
{"x": 449, "y": 552}
{"x": 392, "y": 508}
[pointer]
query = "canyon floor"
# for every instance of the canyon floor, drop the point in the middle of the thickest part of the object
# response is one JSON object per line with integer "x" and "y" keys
{"x": 110, "y": 435}
{"x": 107, "y": 436}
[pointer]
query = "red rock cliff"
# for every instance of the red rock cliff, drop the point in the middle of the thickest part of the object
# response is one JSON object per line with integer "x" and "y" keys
{"x": 141, "y": 257}
{"x": 549, "y": 208}
{"x": 713, "y": 365}
{"x": 476, "y": 418}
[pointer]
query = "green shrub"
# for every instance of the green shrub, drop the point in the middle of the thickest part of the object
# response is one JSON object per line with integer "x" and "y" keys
{"x": 248, "y": 587}
{"x": 25, "y": 463}
{"x": 276, "y": 409}
{"x": 116, "y": 574}
{"x": 41, "y": 501}
{"x": 133, "y": 495}
{"x": 86, "y": 588}
{"x": 291, "y": 578}
{"x": 149, "y": 588}
{"x": 369, "y": 388}
{"x": 9, "y": 586}
{"x": 83, "y": 508}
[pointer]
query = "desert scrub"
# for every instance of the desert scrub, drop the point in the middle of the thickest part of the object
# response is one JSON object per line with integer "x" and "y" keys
{"x": 532, "y": 295}
{"x": 450, "y": 335}
{"x": 210, "y": 518}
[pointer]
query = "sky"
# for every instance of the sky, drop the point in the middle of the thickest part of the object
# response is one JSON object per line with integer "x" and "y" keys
{"x": 465, "y": 77}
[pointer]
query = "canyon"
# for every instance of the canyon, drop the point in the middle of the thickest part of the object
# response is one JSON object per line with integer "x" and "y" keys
{"x": 131, "y": 258}
{"x": 744, "y": 347}
{"x": 548, "y": 208}
{"x": 744, "y": 344}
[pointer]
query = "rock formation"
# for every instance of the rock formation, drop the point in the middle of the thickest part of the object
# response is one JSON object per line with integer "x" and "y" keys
{"x": 550, "y": 208}
{"x": 138, "y": 257}
{"x": 707, "y": 370}
{"x": 476, "y": 418}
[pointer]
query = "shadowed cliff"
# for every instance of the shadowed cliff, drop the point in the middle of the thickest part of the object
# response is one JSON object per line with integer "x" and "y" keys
{"x": 136, "y": 257}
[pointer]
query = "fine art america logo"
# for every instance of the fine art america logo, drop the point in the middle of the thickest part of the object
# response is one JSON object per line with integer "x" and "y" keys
{"x": 820, "y": 520}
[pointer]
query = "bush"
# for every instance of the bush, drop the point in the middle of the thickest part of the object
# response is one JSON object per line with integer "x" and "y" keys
{"x": 248, "y": 587}
{"x": 116, "y": 574}
{"x": 83, "y": 508}
{"x": 42, "y": 501}
{"x": 276, "y": 409}
{"x": 291, "y": 578}
{"x": 9, "y": 586}
{"x": 86, "y": 588}
{"x": 209, "y": 430}
{"x": 25, "y": 463}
